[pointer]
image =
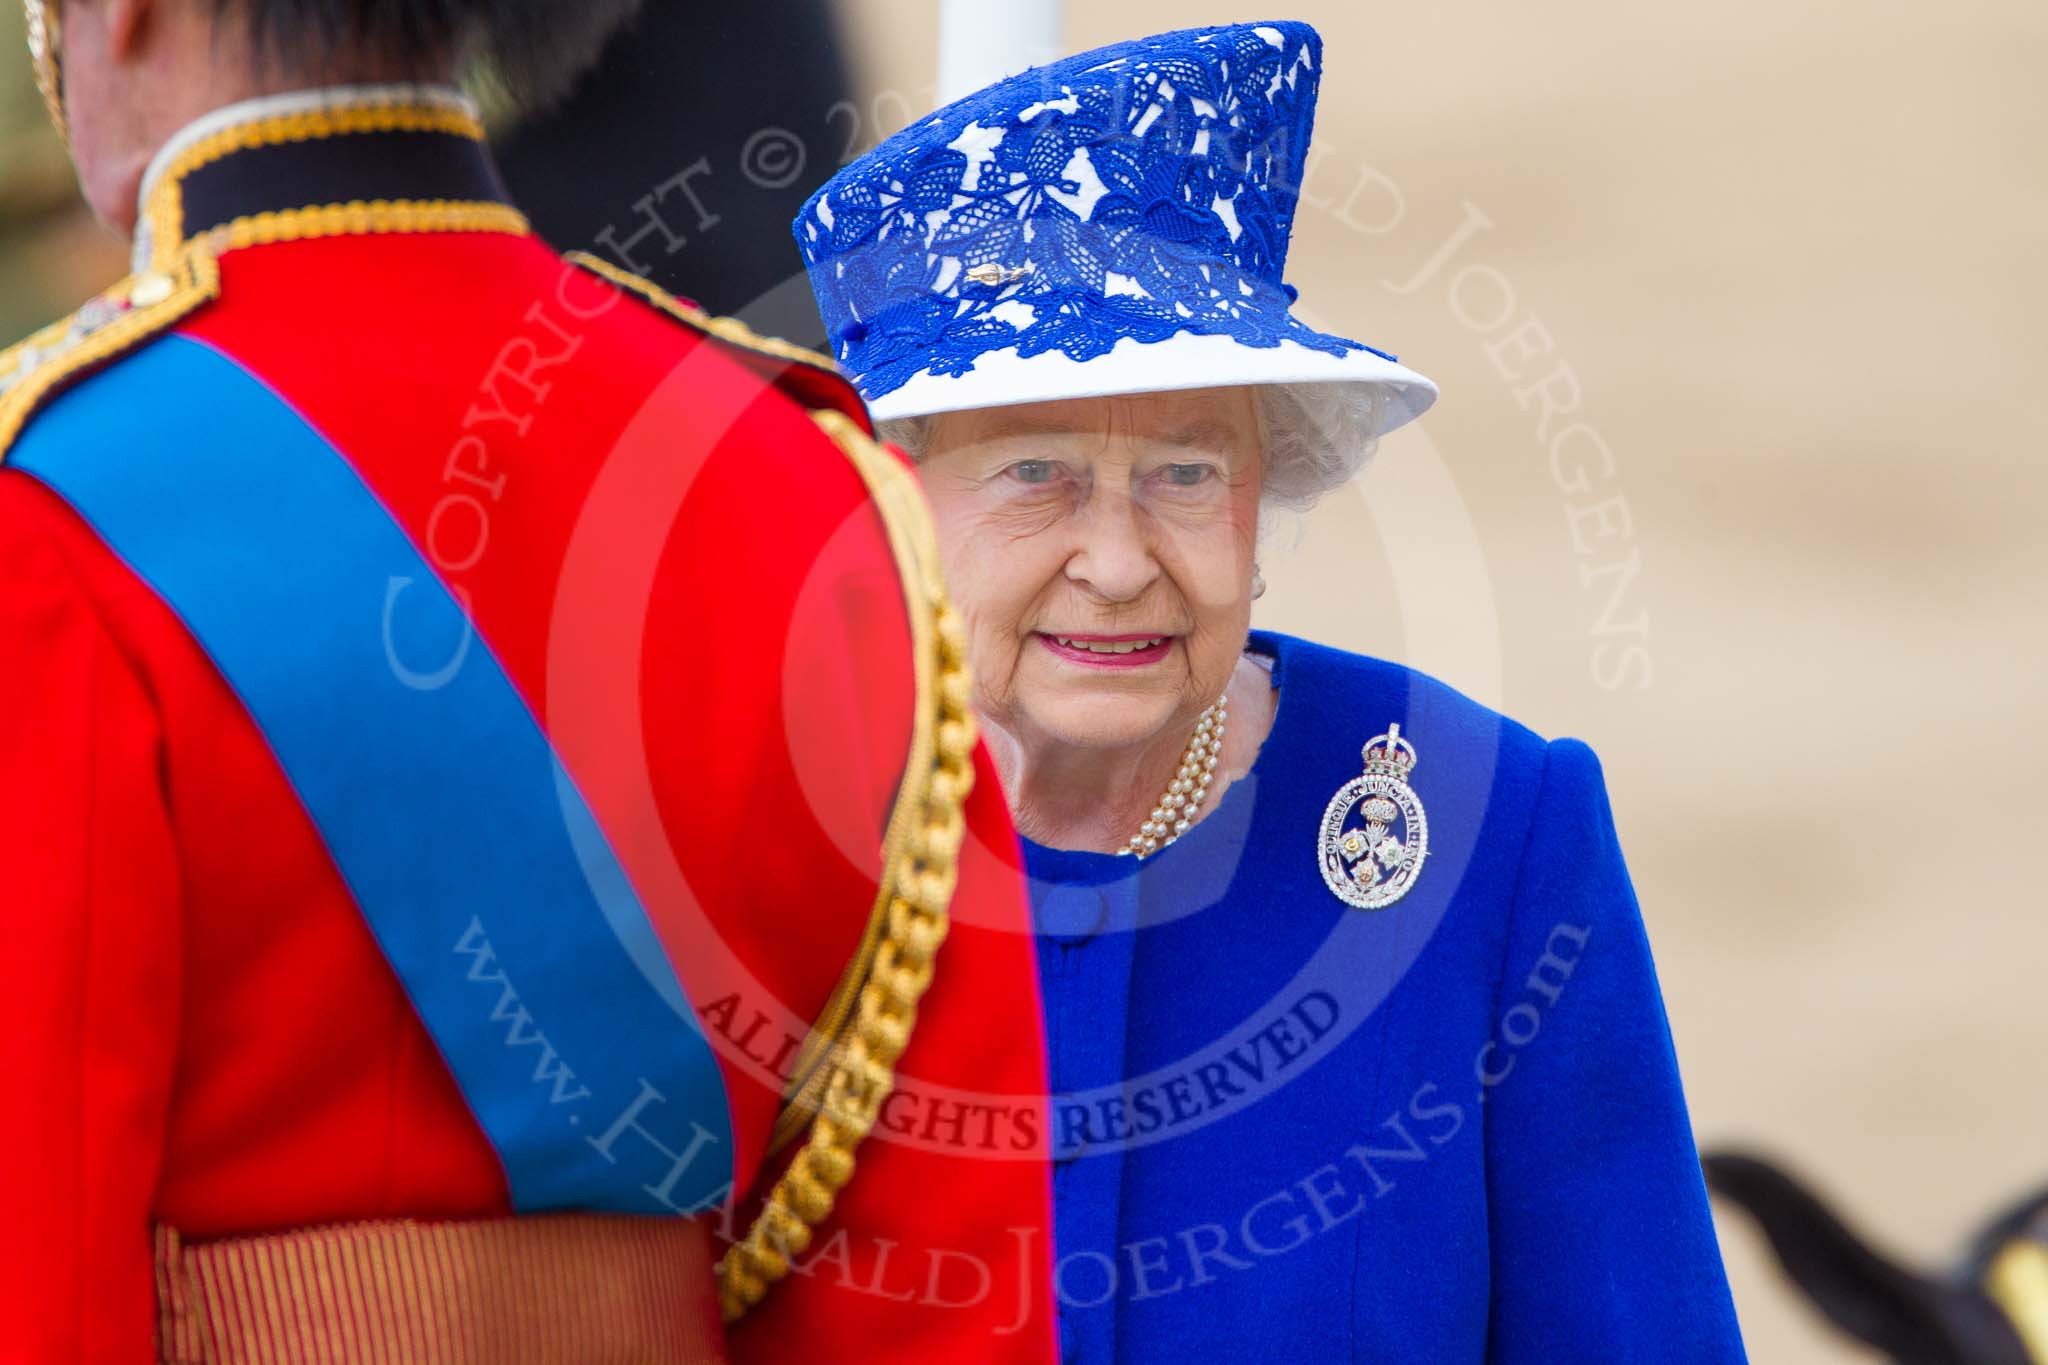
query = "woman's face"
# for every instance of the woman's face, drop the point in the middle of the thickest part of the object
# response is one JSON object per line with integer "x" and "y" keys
{"x": 1100, "y": 550}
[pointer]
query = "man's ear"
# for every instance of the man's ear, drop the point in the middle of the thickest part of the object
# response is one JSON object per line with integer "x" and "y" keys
{"x": 128, "y": 26}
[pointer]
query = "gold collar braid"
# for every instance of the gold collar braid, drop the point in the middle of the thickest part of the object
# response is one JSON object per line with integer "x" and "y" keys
{"x": 162, "y": 235}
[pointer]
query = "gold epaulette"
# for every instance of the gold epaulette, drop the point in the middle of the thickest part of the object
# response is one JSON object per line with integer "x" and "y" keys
{"x": 731, "y": 331}
{"x": 138, "y": 308}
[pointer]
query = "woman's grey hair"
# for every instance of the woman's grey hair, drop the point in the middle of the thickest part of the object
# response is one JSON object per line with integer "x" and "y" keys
{"x": 1315, "y": 437}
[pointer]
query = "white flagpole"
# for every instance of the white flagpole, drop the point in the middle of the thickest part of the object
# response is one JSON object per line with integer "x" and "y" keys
{"x": 982, "y": 41}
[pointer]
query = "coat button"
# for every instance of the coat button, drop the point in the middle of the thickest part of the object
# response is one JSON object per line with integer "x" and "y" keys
{"x": 1072, "y": 915}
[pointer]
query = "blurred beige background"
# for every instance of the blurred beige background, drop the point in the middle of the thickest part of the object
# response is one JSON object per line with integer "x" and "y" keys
{"x": 1792, "y": 253}
{"x": 1789, "y": 254}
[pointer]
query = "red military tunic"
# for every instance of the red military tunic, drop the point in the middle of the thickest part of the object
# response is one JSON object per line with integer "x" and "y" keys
{"x": 690, "y": 586}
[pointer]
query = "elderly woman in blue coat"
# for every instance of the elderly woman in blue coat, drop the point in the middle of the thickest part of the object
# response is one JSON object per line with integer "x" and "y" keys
{"x": 1355, "y": 1039}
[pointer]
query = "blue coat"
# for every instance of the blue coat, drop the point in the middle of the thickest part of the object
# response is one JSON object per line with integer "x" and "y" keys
{"x": 1446, "y": 1131}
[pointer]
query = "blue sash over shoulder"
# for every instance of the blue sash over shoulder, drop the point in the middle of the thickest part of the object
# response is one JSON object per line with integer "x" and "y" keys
{"x": 479, "y": 867}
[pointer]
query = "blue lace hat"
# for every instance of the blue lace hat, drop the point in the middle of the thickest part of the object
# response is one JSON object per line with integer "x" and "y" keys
{"x": 1116, "y": 222}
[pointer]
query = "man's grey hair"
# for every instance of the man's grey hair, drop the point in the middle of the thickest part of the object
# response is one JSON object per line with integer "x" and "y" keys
{"x": 533, "y": 51}
{"x": 1315, "y": 437}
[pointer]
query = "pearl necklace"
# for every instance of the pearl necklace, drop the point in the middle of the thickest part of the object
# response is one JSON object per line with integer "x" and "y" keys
{"x": 1175, "y": 813}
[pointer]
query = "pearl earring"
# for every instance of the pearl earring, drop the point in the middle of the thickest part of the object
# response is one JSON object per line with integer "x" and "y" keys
{"x": 1258, "y": 583}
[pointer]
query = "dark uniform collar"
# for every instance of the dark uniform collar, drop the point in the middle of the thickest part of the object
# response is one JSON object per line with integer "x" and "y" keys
{"x": 353, "y": 159}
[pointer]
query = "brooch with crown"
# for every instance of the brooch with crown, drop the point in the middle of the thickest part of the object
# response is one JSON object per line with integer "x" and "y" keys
{"x": 1375, "y": 834}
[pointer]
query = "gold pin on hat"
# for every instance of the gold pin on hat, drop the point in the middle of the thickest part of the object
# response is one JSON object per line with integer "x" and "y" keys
{"x": 992, "y": 274}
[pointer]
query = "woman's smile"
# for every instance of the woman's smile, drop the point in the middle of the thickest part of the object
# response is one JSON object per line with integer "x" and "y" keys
{"x": 1107, "y": 651}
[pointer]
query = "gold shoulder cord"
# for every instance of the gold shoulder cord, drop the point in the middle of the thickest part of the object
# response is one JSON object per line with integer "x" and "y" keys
{"x": 919, "y": 871}
{"x": 855, "y": 1068}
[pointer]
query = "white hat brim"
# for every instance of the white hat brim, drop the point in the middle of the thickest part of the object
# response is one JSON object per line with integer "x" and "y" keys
{"x": 1184, "y": 360}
